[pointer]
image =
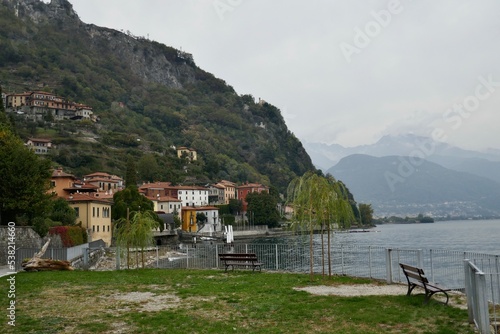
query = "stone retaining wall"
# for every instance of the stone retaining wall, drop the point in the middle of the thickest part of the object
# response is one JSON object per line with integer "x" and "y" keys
{"x": 25, "y": 237}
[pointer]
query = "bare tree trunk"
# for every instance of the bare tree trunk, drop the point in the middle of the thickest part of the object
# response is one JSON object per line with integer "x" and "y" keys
{"x": 323, "y": 248}
{"x": 39, "y": 264}
{"x": 311, "y": 256}
{"x": 329, "y": 251}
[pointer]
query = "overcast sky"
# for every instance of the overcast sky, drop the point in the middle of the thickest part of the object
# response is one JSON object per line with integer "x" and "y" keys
{"x": 345, "y": 72}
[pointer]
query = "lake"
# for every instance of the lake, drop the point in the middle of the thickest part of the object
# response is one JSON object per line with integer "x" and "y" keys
{"x": 482, "y": 236}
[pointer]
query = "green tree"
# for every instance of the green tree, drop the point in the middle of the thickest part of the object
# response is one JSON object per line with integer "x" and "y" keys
{"x": 148, "y": 168}
{"x": 366, "y": 214}
{"x": 177, "y": 219}
{"x": 262, "y": 209}
{"x": 136, "y": 231}
{"x": 129, "y": 199}
{"x": 235, "y": 206}
{"x": 131, "y": 173}
{"x": 61, "y": 212}
{"x": 42, "y": 225}
{"x": 143, "y": 224}
{"x": 318, "y": 201}
{"x": 201, "y": 220}
{"x": 24, "y": 181}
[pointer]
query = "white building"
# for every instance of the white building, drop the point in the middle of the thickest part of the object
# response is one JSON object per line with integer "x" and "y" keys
{"x": 192, "y": 195}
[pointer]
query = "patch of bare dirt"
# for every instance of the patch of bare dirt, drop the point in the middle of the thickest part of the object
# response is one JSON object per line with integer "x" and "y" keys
{"x": 457, "y": 299}
{"x": 147, "y": 301}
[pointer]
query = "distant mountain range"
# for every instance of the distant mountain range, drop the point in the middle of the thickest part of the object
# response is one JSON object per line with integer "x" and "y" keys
{"x": 485, "y": 164}
{"x": 408, "y": 175}
{"x": 399, "y": 185}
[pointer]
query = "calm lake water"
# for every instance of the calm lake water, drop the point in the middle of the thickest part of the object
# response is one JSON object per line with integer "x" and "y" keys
{"x": 482, "y": 236}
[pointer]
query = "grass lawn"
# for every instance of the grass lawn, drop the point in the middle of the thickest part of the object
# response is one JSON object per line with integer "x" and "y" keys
{"x": 211, "y": 301}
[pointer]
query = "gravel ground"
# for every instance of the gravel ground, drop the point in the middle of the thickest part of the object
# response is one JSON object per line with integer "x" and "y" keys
{"x": 356, "y": 290}
{"x": 457, "y": 299}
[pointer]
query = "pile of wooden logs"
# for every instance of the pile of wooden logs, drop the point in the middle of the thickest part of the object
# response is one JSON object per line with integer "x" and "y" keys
{"x": 39, "y": 264}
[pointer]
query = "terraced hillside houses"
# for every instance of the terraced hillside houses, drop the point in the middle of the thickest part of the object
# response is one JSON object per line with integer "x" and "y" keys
{"x": 38, "y": 105}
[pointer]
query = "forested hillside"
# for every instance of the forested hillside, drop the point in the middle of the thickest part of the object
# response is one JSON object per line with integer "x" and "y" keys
{"x": 148, "y": 97}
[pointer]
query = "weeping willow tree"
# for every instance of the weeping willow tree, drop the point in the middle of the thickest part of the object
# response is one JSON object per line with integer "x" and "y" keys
{"x": 318, "y": 202}
{"x": 137, "y": 232}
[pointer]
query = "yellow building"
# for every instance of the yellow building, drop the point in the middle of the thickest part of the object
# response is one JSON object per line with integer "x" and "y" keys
{"x": 189, "y": 223}
{"x": 229, "y": 190}
{"x": 94, "y": 215}
{"x": 189, "y": 219}
{"x": 61, "y": 181}
{"x": 17, "y": 100}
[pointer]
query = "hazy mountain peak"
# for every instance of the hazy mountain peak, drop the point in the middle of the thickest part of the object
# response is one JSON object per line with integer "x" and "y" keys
{"x": 326, "y": 156}
{"x": 401, "y": 185}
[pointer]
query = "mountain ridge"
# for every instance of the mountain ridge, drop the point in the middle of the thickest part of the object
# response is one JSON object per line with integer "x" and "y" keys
{"x": 402, "y": 185}
{"x": 148, "y": 96}
{"x": 485, "y": 164}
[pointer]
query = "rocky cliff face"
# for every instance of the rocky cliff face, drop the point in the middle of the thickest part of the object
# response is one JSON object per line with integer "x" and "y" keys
{"x": 151, "y": 62}
{"x": 40, "y": 12}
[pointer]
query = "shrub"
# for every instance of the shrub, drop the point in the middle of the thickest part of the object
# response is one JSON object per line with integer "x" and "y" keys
{"x": 43, "y": 225}
{"x": 70, "y": 235}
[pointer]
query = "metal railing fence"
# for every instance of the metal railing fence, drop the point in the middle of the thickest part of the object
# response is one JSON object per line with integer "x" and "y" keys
{"x": 483, "y": 298}
{"x": 441, "y": 266}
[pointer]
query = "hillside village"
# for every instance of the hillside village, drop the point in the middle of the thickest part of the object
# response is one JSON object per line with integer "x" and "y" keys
{"x": 92, "y": 199}
{"x": 136, "y": 100}
{"x": 92, "y": 195}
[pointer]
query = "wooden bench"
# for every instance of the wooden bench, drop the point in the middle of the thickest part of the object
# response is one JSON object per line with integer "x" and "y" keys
{"x": 240, "y": 259}
{"x": 416, "y": 277}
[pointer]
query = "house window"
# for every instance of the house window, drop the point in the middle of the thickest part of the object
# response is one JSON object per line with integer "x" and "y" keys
{"x": 53, "y": 184}
{"x": 103, "y": 228}
{"x": 77, "y": 211}
{"x": 108, "y": 228}
{"x": 97, "y": 212}
{"x": 97, "y": 228}
{"x": 161, "y": 206}
{"x": 93, "y": 212}
{"x": 93, "y": 228}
